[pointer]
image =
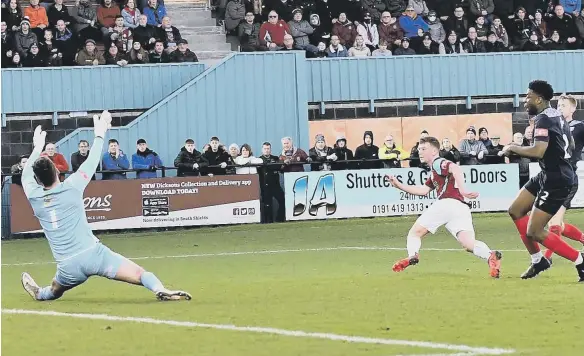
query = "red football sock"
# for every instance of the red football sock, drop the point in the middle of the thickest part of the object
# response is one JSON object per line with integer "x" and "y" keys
{"x": 560, "y": 247}
{"x": 556, "y": 229}
{"x": 521, "y": 224}
{"x": 573, "y": 233}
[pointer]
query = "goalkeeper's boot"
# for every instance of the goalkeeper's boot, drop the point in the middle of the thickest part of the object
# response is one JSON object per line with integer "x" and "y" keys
{"x": 172, "y": 295}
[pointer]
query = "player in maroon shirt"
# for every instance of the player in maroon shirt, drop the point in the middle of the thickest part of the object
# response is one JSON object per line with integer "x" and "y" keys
{"x": 450, "y": 209}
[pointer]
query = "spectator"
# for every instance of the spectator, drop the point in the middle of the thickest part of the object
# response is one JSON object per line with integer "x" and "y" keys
{"x": 158, "y": 54}
{"x": 481, "y": 29}
{"x": 367, "y": 152}
{"x": 8, "y": 46}
{"x": 131, "y": 14}
{"x": 321, "y": 51}
{"x": 115, "y": 57}
{"x": 472, "y": 151}
{"x": 531, "y": 6}
{"x": 566, "y": 27}
{"x": 234, "y": 14}
{"x": 216, "y": 156}
{"x": 457, "y": 23}
{"x": 522, "y": 29}
{"x": 368, "y": 31}
{"x": 396, "y": 7}
{"x": 155, "y": 12}
{"x": 326, "y": 10}
{"x": 343, "y": 154}
{"x": 270, "y": 182}
{"x": 65, "y": 42}
{"x": 449, "y": 152}
{"x": 571, "y": 6}
{"x": 321, "y": 155}
{"x": 77, "y": 158}
{"x": 404, "y": 49}
{"x": 436, "y": 30}
{"x": 523, "y": 162}
{"x": 579, "y": 21}
{"x": 419, "y": 6}
{"x": 336, "y": 49}
{"x": 390, "y": 30}
{"x": 12, "y": 14}
{"x": 24, "y": 38}
{"x": 16, "y": 61}
{"x": 500, "y": 32}
{"x": 291, "y": 156}
{"x": 233, "y": 153}
{"x": 146, "y": 34}
{"x": 50, "y": 50}
{"x": 34, "y": 57}
{"x": 85, "y": 16}
{"x": 382, "y": 51}
{"x": 16, "y": 170}
{"x": 57, "y": 12}
{"x": 145, "y": 161}
{"x": 168, "y": 33}
{"x": 375, "y": 8}
{"x": 189, "y": 161}
{"x": 272, "y": 32}
{"x": 428, "y": 46}
{"x": 248, "y": 33}
{"x": 504, "y": 9}
{"x": 555, "y": 43}
{"x": 493, "y": 44}
{"x": 89, "y": 55}
{"x": 540, "y": 26}
{"x": 288, "y": 43}
{"x": 245, "y": 160}
{"x": 533, "y": 44}
{"x": 106, "y": 17}
{"x": 495, "y": 151}
{"x": 121, "y": 36}
{"x": 142, "y": 4}
{"x": 57, "y": 158}
{"x": 220, "y": 10}
{"x": 37, "y": 15}
{"x": 481, "y": 8}
{"x": 114, "y": 160}
{"x": 284, "y": 8}
{"x": 183, "y": 53}
{"x": 452, "y": 45}
{"x": 300, "y": 30}
{"x": 345, "y": 30}
{"x": 359, "y": 49}
{"x": 472, "y": 44}
{"x": 414, "y": 154}
{"x": 411, "y": 23}
{"x": 528, "y": 136}
{"x": 391, "y": 153}
{"x": 484, "y": 137}
{"x": 138, "y": 55}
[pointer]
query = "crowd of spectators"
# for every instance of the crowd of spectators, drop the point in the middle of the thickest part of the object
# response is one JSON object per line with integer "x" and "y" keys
{"x": 359, "y": 28}
{"x": 52, "y": 34}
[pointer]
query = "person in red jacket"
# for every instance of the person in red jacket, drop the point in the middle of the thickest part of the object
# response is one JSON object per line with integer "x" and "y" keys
{"x": 272, "y": 32}
{"x": 57, "y": 158}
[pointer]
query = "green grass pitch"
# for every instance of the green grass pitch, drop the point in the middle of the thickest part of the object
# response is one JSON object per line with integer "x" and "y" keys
{"x": 312, "y": 277}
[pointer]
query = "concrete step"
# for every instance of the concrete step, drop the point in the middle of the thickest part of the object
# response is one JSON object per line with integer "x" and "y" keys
{"x": 195, "y": 38}
{"x": 212, "y": 55}
{"x": 203, "y": 30}
{"x": 208, "y": 46}
{"x": 193, "y": 22}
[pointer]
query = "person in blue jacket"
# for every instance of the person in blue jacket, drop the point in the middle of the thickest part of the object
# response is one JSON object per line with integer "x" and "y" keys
{"x": 145, "y": 161}
{"x": 114, "y": 160}
{"x": 155, "y": 12}
{"x": 411, "y": 23}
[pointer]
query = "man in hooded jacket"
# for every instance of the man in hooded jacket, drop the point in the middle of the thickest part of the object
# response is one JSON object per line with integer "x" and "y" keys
{"x": 367, "y": 152}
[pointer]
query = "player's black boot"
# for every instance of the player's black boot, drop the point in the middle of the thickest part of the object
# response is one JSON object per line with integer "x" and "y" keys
{"x": 536, "y": 268}
{"x": 580, "y": 269}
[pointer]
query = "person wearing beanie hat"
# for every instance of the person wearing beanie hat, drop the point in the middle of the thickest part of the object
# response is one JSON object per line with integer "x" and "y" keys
{"x": 217, "y": 157}
{"x": 90, "y": 56}
{"x": 472, "y": 151}
{"x": 484, "y": 137}
{"x": 436, "y": 28}
{"x": 343, "y": 154}
{"x": 404, "y": 49}
{"x": 428, "y": 46}
{"x": 145, "y": 161}
{"x": 24, "y": 38}
{"x": 555, "y": 43}
{"x": 534, "y": 43}
{"x": 367, "y": 152}
{"x": 34, "y": 58}
{"x": 321, "y": 155}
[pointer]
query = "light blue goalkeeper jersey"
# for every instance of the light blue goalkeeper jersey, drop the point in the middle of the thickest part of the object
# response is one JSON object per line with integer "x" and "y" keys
{"x": 60, "y": 210}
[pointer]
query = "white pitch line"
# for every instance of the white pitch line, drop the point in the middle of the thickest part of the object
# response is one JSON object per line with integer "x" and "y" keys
{"x": 272, "y": 331}
{"x": 265, "y": 252}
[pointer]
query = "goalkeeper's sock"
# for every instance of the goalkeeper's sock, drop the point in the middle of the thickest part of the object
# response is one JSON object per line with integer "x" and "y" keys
{"x": 45, "y": 293}
{"x": 150, "y": 281}
{"x": 573, "y": 233}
